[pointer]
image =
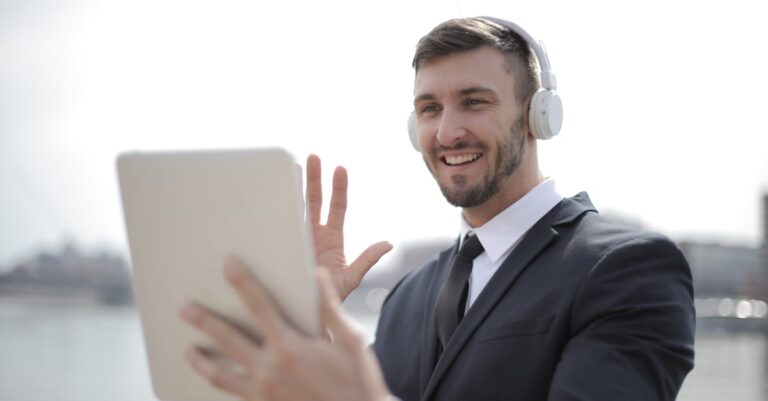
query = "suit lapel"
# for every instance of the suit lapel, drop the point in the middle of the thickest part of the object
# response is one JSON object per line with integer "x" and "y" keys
{"x": 429, "y": 335}
{"x": 534, "y": 242}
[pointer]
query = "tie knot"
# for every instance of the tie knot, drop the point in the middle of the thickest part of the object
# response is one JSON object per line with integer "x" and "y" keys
{"x": 471, "y": 247}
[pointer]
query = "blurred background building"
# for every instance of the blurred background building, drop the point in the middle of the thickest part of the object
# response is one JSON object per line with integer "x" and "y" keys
{"x": 70, "y": 275}
{"x": 730, "y": 281}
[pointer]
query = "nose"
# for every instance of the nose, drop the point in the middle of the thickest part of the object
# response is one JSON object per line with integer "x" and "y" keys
{"x": 451, "y": 128}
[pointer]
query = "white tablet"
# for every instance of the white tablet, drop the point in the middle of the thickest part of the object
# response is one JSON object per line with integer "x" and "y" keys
{"x": 185, "y": 212}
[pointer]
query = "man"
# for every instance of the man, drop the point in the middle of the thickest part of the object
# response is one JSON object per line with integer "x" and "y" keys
{"x": 559, "y": 304}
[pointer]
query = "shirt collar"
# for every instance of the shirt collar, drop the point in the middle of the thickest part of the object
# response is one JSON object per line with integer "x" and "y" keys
{"x": 505, "y": 229}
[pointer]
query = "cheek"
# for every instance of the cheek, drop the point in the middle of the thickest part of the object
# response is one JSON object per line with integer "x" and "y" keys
{"x": 425, "y": 136}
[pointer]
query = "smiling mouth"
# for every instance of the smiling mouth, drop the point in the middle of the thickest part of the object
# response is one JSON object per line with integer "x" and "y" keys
{"x": 458, "y": 160}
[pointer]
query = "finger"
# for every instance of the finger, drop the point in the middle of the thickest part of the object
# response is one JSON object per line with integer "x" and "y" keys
{"x": 271, "y": 325}
{"x": 331, "y": 312}
{"x": 338, "y": 206}
{"x": 314, "y": 189}
{"x": 360, "y": 266}
{"x": 215, "y": 374}
{"x": 228, "y": 340}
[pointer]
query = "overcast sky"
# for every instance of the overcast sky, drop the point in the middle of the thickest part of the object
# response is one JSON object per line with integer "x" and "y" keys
{"x": 664, "y": 106}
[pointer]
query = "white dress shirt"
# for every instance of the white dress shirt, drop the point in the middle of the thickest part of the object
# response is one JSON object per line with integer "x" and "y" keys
{"x": 501, "y": 234}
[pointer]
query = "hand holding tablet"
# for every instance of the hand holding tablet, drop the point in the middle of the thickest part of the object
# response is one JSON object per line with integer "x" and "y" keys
{"x": 286, "y": 365}
{"x": 186, "y": 212}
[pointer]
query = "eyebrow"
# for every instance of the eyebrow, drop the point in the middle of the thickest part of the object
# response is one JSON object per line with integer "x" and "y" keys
{"x": 464, "y": 92}
{"x": 476, "y": 89}
{"x": 425, "y": 96}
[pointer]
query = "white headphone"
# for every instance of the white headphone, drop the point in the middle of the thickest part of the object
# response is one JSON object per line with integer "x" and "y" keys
{"x": 545, "y": 115}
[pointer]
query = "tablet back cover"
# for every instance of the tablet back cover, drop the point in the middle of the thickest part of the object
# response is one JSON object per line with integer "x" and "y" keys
{"x": 185, "y": 212}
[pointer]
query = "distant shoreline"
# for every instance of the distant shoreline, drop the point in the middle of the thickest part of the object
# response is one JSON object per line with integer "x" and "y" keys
{"x": 46, "y": 295}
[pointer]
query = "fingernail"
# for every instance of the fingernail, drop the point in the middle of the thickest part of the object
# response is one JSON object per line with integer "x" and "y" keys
{"x": 189, "y": 354}
{"x": 232, "y": 269}
{"x": 230, "y": 260}
{"x": 195, "y": 358}
{"x": 232, "y": 266}
{"x": 189, "y": 312}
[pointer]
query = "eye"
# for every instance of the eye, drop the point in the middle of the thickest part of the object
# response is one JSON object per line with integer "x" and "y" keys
{"x": 429, "y": 108}
{"x": 474, "y": 102}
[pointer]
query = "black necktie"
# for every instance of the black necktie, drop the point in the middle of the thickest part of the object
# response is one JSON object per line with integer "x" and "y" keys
{"x": 452, "y": 298}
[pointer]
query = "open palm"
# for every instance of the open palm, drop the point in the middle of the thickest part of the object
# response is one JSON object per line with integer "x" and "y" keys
{"x": 329, "y": 237}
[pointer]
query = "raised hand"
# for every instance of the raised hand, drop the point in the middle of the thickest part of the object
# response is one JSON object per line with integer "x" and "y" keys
{"x": 286, "y": 365}
{"x": 329, "y": 237}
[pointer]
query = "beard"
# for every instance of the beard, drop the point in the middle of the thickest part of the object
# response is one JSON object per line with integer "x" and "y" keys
{"x": 509, "y": 155}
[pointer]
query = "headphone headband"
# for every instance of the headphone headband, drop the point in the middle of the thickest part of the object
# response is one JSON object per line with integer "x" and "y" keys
{"x": 548, "y": 79}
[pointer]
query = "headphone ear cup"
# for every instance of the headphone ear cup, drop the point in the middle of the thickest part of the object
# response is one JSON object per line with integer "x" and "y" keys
{"x": 545, "y": 117}
{"x": 412, "y": 131}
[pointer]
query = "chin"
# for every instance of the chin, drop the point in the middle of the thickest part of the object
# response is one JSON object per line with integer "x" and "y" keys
{"x": 468, "y": 197}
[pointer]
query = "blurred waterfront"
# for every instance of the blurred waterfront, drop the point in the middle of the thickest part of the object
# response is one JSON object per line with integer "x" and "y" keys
{"x": 70, "y": 331}
{"x": 92, "y": 353}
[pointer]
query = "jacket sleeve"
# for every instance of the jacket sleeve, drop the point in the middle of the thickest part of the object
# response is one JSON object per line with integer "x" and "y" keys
{"x": 632, "y": 327}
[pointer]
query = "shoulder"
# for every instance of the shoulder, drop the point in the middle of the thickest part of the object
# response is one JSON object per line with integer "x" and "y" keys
{"x": 628, "y": 269}
{"x": 590, "y": 233}
{"x": 632, "y": 256}
{"x": 601, "y": 256}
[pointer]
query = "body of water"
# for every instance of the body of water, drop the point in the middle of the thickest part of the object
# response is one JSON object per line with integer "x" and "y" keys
{"x": 85, "y": 353}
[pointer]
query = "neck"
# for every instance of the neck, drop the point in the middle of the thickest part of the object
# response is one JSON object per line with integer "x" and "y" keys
{"x": 478, "y": 215}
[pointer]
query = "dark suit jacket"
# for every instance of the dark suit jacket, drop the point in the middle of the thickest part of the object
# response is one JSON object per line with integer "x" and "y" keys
{"x": 583, "y": 309}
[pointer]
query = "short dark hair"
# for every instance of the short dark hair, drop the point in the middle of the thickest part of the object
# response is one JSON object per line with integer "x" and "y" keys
{"x": 465, "y": 34}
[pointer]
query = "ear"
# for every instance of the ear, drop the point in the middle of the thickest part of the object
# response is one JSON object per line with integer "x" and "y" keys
{"x": 412, "y": 134}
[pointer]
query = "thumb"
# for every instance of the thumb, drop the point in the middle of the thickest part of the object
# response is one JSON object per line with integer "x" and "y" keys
{"x": 367, "y": 259}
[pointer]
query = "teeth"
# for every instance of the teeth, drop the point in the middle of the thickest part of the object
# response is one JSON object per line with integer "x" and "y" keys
{"x": 460, "y": 159}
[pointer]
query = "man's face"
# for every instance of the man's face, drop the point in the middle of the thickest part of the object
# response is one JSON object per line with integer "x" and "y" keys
{"x": 469, "y": 123}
